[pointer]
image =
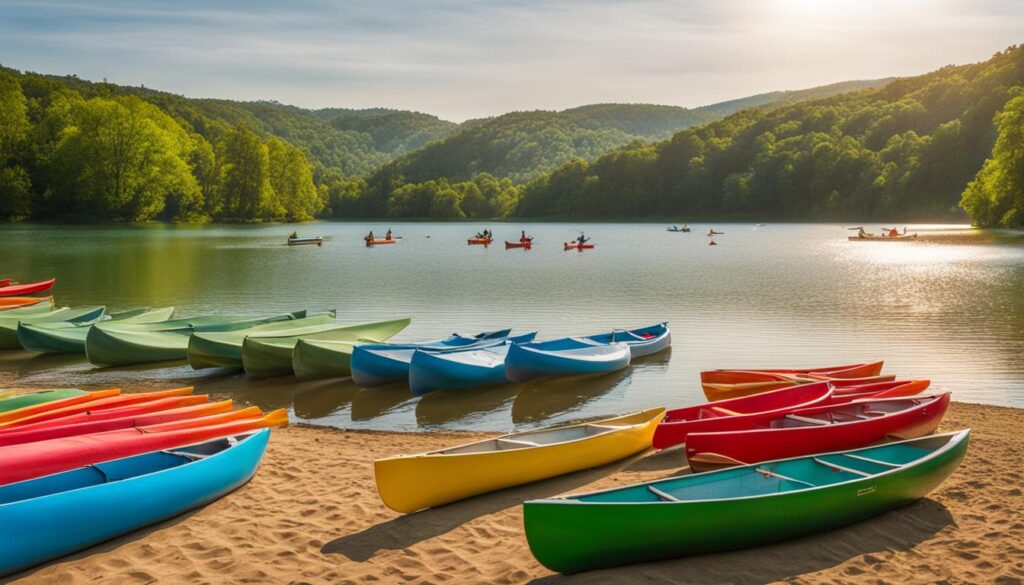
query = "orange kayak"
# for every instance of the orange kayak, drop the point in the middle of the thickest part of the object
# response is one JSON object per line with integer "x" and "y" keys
{"x": 744, "y": 375}
{"x": 715, "y": 392}
{"x": 370, "y": 242}
{"x": 18, "y": 302}
{"x": 20, "y": 413}
{"x": 92, "y": 404}
{"x": 526, "y": 245}
{"x": 569, "y": 246}
{"x": 483, "y": 241}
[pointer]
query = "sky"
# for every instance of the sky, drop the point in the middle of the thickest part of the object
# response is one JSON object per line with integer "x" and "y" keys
{"x": 463, "y": 59}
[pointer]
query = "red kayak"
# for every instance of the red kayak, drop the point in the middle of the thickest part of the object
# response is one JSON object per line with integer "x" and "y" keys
{"x": 27, "y": 411}
{"x": 528, "y": 244}
{"x": 578, "y": 246}
{"x": 741, "y": 376}
{"x": 57, "y": 431}
{"x": 819, "y": 429}
{"x": 26, "y": 289}
{"x": 30, "y": 460}
{"x": 481, "y": 241}
{"x": 722, "y": 415}
{"x": 75, "y": 416}
{"x": 370, "y": 242}
{"x": 92, "y": 401}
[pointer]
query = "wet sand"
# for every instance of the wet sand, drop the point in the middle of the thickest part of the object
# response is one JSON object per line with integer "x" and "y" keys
{"x": 312, "y": 515}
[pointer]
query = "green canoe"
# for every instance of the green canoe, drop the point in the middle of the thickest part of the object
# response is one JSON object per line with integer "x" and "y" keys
{"x": 9, "y": 325}
{"x": 43, "y": 306}
{"x": 224, "y": 349}
{"x": 70, "y": 337}
{"x": 314, "y": 359}
{"x": 23, "y": 400}
{"x": 122, "y": 344}
{"x": 736, "y": 508}
{"x": 265, "y": 356}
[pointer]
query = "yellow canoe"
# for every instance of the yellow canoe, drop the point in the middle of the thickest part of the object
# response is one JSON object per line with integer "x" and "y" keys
{"x": 408, "y": 483}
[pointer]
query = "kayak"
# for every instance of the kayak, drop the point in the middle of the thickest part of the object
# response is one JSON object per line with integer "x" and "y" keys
{"x": 882, "y": 238}
{"x": 716, "y": 392}
{"x": 482, "y": 241}
{"x": 569, "y": 356}
{"x": 265, "y": 356}
{"x": 816, "y": 429}
{"x": 408, "y": 483}
{"x": 893, "y": 389}
{"x": 525, "y": 245}
{"x": 377, "y": 364}
{"x": 26, "y": 289}
{"x": 315, "y": 241}
{"x": 9, "y": 324}
{"x": 25, "y": 305}
{"x": 94, "y": 402}
{"x": 64, "y": 337}
{"x": 67, "y": 398}
{"x": 70, "y": 417}
{"x": 736, "y": 376}
{"x": 32, "y": 460}
{"x": 20, "y": 401}
{"x": 122, "y": 344}
{"x": 370, "y": 242}
{"x": 736, "y": 508}
{"x": 50, "y": 517}
{"x": 569, "y": 246}
{"x": 722, "y": 415}
{"x": 430, "y": 371}
{"x": 224, "y": 349}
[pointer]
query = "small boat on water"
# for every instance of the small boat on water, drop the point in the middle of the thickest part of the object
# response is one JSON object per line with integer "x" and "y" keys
{"x": 873, "y": 238}
{"x": 12, "y": 290}
{"x": 24, "y": 305}
{"x": 67, "y": 337}
{"x": 569, "y": 356}
{"x": 479, "y": 241}
{"x": 430, "y": 371}
{"x": 71, "y": 316}
{"x": 49, "y": 517}
{"x": 684, "y": 229}
{"x": 378, "y": 242}
{"x": 526, "y": 245}
{"x": 312, "y": 241}
{"x": 408, "y": 483}
{"x": 736, "y": 508}
{"x": 741, "y": 375}
{"x": 576, "y": 246}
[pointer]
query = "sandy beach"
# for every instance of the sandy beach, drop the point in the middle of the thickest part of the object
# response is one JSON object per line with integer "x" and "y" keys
{"x": 312, "y": 515}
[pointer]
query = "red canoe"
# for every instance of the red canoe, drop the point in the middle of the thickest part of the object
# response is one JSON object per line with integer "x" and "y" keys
{"x": 93, "y": 401}
{"x": 721, "y": 416}
{"x": 740, "y": 376}
{"x": 579, "y": 246}
{"x": 100, "y": 425}
{"x": 483, "y": 241}
{"x": 819, "y": 429}
{"x": 894, "y": 389}
{"x": 30, "y": 460}
{"x": 527, "y": 245}
{"x": 370, "y": 242}
{"x": 26, "y": 289}
{"x": 82, "y": 413}
{"x": 717, "y": 392}
{"x": 5, "y": 282}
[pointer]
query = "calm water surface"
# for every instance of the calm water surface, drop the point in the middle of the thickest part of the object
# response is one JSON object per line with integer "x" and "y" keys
{"x": 949, "y": 307}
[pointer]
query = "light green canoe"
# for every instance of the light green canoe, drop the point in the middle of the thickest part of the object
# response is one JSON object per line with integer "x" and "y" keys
{"x": 70, "y": 337}
{"x": 266, "y": 356}
{"x": 9, "y": 325}
{"x": 314, "y": 359}
{"x": 122, "y": 344}
{"x": 224, "y": 349}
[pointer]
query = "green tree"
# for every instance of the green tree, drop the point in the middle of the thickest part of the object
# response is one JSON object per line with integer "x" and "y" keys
{"x": 291, "y": 176}
{"x": 245, "y": 189}
{"x": 996, "y": 196}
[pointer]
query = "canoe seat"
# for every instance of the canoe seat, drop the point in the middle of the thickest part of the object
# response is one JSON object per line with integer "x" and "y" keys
{"x": 725, "y": 411}
{"x": 516, "y": 444}
{"x": 870, "y": 460}
{"x": 770, "y": 473}
{"x": 841, "y": 468}
{"x": 813, "y": 421}
{"x": 875, "y": 413}
{"x": 665, "y": 496}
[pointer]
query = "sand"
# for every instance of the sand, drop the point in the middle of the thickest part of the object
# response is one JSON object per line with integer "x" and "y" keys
{"x": 312, "y": 515}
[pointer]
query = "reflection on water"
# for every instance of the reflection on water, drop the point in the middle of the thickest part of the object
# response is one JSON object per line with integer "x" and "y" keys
{"x": 949, "y": 306}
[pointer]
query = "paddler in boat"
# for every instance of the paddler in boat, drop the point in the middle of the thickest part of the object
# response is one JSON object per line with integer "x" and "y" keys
{"x": 523, "y": 239}
{"x": 388, "y": 236}
{"x": 583, "y": 239}
{"x": 369, "y": 236}
{"x": 893, "y": 233}
{"x": 861, "y": 233}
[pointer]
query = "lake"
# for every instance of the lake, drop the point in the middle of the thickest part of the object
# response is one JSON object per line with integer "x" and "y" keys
{"x": 949, "y": 307}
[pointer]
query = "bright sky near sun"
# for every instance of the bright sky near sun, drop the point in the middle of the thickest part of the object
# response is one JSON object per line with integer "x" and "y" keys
{"x": 463, "y": 58}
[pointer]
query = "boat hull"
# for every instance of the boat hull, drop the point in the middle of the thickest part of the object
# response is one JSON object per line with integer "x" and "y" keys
{"x": 9, "y": 326}
{"x": 14, "y": 290}
{"x": 25, "y": 305}
{"x": 26, "y": 400}
{"x": 224, "y": 349}
{"x": 312, "y": 360}
{"x": 525, "y": 363}
{"x": 524, "y": 245}
{"x": 43, "y": 338}
{"x": 429, "y": 372}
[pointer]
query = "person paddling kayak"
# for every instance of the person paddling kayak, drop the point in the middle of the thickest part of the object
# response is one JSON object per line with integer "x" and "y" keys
{"x": 388, "y": 236}
{"x": 523, "y": 238}
{"x": 369, "y": 236}
{"x": 582, "y": 239}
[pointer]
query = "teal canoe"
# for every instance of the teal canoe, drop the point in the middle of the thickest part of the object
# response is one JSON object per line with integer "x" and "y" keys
{"x": 265, "y": 356}
{"x": 224, "y": 349}
{"x": 736, "y": 508}
{"x": 123, "y": 344}
{"x": 9, "y": 325}
{"x": 34, "y": 398}
{"x": 70, "y": 337}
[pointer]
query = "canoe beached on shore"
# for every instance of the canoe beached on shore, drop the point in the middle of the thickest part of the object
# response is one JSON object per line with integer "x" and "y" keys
{"x": 79, "y": 315}
{"x": 569, "y": 356}
{"x": 13, "y": 290}
{"x": 223, "y": 349}
{"x": 64, "y": 337}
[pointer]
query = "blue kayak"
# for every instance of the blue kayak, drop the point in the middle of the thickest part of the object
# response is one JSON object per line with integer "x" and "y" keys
{"x": 430, "y": 371}
{"x": 52, "y": 516}
{"x": 569, "y": 356}
{"x": 642, "y": 342}
{"x": 383, "y": 363}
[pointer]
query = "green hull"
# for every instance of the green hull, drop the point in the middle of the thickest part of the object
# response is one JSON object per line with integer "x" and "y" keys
{"x": 123, "y": 344}
{"x": 224, "y": 350}
{"x": 314, "y": 360}
{"x": 23, "y": 400}
{"x": 9, "y": 325}
{"x": 266, "y": 356}
{"x": 70, "y": 337}
{"x": 730, "y": 509}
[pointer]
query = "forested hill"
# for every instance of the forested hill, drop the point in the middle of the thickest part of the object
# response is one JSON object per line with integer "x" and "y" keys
{"x": 907, "y": 149}
{"x": 778, "y": 99}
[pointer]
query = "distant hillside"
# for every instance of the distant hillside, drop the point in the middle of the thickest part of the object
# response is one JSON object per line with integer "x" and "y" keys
{"x": 393, "y": 131}
{"x": 778, "y": 99}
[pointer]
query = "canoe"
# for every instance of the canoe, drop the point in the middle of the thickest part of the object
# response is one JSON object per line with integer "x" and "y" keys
{"x": 95, "y": 402}
{"x": 569, "y": 356}
{"x": 738, "y": 376}
{"x": 643, "y": 341}
{"x": 78, "y": 315}
{"x": 683, "y": 230}
{"x": 20, "y": 401}
{"x": 482, "y": 241}
{"x": 722, "y": 415}
{"x": 224, "y": 349}
{"x": 716, "y": 392}
{"x": 578, "y": 246}
{"x": 69, "y": 417}
{"x": 894, "y": 389}
{"x": 736, "y": 508}
{"x": 816, "y": 429}
{"x": 370, "y": 242}
{"x": 26, "y": 289}
{"x": 122, "y": 344}
{"x": 64, "y": 337}
{"x": 882, "y": 238}
{"x": 265, "y": 356}
{"x": 25, "y": 305}
{"x": 377, "y": 364}
{"x": 408, "y": 483}
{"x": 5, "y": 282}
{"x": 524, "y": 245}
{"x": 315, "y": 241}
{"x": 70, "y": 399}
{"x": 32, "y": 460}
{"x": 50, "y": 517}
{"x": 448, "y": 370}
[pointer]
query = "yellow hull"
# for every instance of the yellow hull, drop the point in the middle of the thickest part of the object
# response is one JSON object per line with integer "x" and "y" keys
{"x": 409, "y": 483}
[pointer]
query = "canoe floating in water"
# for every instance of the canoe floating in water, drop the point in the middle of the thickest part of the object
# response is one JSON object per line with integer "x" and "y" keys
{"x": 377, "y": 364}
{"x": 569, "y": 246}
{"x": 265, "y": 356}
{"x": 26, "y": 289}
{"x": 448, "y": 370}
{"x": 409, "y": 483}
{"x": 70, "y": 337}
{"x": 527, "y": 245}
{"x": 314, "y": 241}
{"x": 25, "y": 305}
{"x": 376, "y": 242}
{"x": 480, "y": 241}
{"x": 816, "y": 429}
{"x": 223, "y": 349}
{"x": 53, "y": 516}
{"x": 742, "y": 375}
{"x": 570, "y": 356}
{"x": 78, "y": 315}
{"x": 736, "y": 508}
{"x": 870, "y": 238}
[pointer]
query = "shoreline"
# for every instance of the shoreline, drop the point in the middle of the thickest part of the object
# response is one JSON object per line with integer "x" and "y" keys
{"x": 312, "y": 514}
